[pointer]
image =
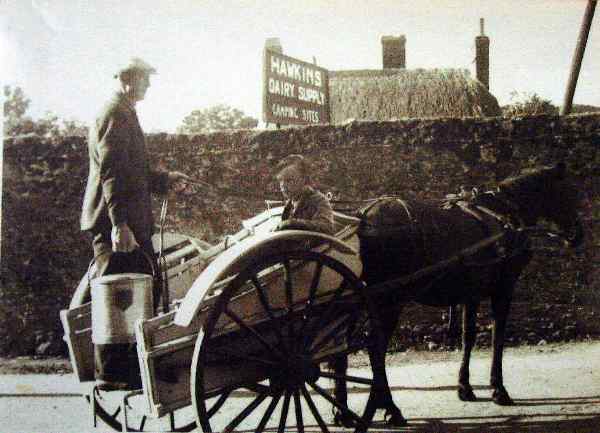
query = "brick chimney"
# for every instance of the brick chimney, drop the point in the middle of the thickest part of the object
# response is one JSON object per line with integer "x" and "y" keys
{"x": 274, "y": 44}
{"x": 394, "y": 51}
{"x": 482, "y": 56}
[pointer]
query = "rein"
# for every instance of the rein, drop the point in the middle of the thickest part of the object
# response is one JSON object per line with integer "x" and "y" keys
{"x": 449, "y": 201}
{"x": 235, "y": 193}
{"x": 515, "y": 213}
{"x": 225, "y": 191}
{"x": 468, "y": 204}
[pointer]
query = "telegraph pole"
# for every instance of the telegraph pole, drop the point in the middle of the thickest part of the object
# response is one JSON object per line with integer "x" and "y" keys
{"x": 578, "y": 56}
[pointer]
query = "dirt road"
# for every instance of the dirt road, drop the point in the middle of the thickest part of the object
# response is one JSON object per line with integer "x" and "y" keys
{"x": 556, "y": 389}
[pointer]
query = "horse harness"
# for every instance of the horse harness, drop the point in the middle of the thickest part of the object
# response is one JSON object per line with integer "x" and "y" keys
{"x": 510, "y": 226}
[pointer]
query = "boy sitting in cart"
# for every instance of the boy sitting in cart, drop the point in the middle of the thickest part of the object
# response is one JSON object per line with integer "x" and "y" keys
{"x": 305, "y": 208}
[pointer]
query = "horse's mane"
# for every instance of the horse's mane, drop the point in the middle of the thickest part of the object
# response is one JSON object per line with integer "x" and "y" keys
{"x": 532, "y": 177}
{"x": 524, "y": 176}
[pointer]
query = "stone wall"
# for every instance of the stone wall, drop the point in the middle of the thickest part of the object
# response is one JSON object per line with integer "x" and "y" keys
{"x": 44, "y": 254}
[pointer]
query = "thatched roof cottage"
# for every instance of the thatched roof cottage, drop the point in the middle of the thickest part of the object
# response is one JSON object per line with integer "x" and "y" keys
{"x": 388, "y": 94}
{"x": 396, "y": 92}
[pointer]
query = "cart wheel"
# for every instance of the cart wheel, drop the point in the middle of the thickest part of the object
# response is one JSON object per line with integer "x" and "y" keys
{"x": 108, "y": 406}
{"x": 267, "y": 342}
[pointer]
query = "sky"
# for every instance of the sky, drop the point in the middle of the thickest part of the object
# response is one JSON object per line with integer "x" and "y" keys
{"x": 64, "y": 53}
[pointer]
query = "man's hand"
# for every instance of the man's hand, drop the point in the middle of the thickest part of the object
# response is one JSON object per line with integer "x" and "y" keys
{"x": 282, "y": 225}
{"x": 123, "y": 239}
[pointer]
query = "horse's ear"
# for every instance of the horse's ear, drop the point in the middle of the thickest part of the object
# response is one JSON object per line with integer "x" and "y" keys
{"x": 560, "y": 169}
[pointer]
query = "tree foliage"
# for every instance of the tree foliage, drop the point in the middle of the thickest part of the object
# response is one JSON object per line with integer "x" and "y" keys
{"x": 15, "y": 102}
{"x": 15, "y": 107}
{"x": 17, "y": 122}
{"x": 216, "y": 118}
{"x": 73, "y": 127}
{"x": 527, "y": 104}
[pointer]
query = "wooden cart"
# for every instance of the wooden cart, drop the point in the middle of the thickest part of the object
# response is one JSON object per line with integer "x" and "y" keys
{"x": 254, "y": 322}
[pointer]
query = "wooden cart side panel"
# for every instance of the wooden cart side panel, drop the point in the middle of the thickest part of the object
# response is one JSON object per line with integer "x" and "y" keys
{"x": 171, "y": 350}
{"x": 77, "y": 324}
{"x": 176, "y": 356}
{"x": 173, "y": 242}
{"x": 184, "y": 260}
{"x": 182, "y": 276}
{"x": 147, "y": 369}
{"x": 164, "y": 345}
{"x": 160, "y": 330}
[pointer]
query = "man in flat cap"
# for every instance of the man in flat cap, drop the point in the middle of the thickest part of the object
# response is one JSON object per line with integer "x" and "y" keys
{"x": 305, "y": 208}
{"x": 117, "y": 205}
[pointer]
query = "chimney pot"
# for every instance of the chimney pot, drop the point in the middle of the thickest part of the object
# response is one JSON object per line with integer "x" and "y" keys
{"x": 393, "y": 51}
{"x": 274, "y": 44}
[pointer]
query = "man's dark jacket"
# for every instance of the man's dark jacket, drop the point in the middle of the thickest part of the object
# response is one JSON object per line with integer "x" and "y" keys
{"x": 120, "y": 180}
{"x": 312, "y": 211}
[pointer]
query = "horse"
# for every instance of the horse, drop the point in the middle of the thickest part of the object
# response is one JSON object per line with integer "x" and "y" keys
{"x": 400, "y": 237}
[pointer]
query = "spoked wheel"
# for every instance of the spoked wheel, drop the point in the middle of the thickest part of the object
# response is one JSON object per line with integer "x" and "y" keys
{"x": 261, "y": 359}
{"x": 109, "y": 408}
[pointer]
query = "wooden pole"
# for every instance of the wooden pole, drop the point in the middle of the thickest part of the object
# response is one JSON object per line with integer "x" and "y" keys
{"x": 578, "y": 56}
{"x": 273, "y": 44}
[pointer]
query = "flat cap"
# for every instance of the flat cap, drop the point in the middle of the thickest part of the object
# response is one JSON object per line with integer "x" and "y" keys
{"x": 136, "y": 65}
{"x": 293, "y": 160}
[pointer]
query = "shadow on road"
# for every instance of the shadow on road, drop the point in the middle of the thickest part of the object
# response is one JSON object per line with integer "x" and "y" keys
{"x": 364, "y": 390}
{"x": 435, "y": 388}
{"x": 557, "y": 401}
{"x": 535, "y": 423}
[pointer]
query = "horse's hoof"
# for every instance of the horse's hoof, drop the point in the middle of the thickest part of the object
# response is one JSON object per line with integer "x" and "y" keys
{"x": 393, "y": 418}
{"x": 466, "y": 394}
{"x": 341, "y": 419}
{"x": 501, "y": 397}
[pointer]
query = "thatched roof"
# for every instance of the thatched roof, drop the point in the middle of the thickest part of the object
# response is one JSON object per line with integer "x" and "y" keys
{"x": 399, "y": 93}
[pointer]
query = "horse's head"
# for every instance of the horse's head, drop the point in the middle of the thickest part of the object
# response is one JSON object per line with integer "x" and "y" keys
{"x": 547, "y": 193}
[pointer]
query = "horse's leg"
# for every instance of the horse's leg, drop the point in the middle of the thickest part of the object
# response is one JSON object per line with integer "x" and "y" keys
{"x": 382, "y": 395}
{"x": 501, "y": 300}
{"x": 465, "y": 390}
{"x": 339, "y": 365}
{"x": 500, "y": 310}
{"x": 451, "y": 335}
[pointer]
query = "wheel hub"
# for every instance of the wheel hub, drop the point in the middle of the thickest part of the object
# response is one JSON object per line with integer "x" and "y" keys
{"x": 294, "y": 373}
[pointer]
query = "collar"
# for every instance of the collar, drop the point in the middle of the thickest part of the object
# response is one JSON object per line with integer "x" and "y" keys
{"x": 474, "y": 204}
